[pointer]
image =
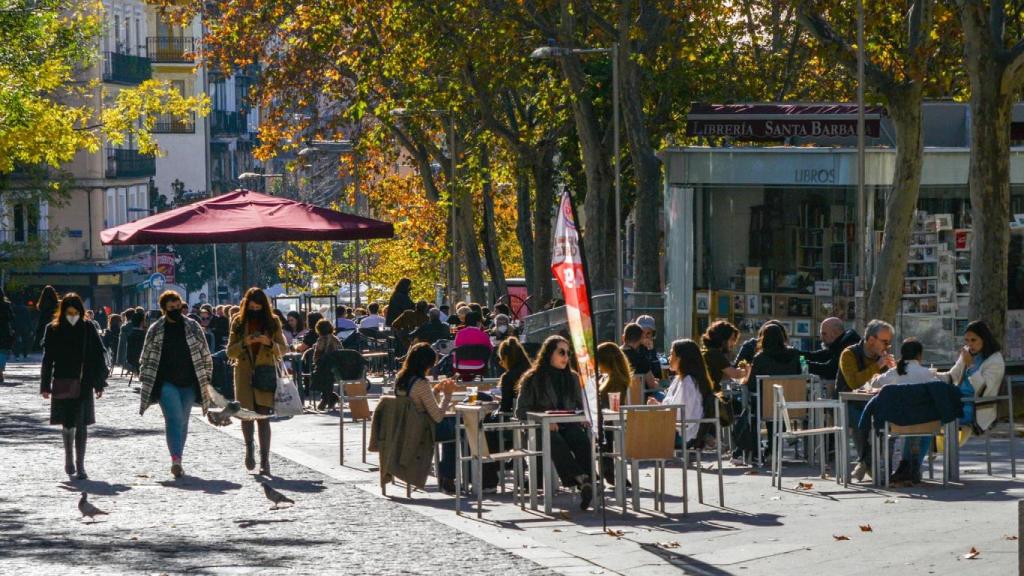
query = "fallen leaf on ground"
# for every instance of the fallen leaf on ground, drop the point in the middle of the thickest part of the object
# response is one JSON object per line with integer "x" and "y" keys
{"x": 972, "y": 554}
{"x": 804, "y": 486}
{"x": 866, "y": 528}
{"x": 564, "y": 515}
{"x": 615, "y": 533}
{"x": 557, "y": 530}
{"x": 672, "y": 544}
{"x": 840, "y": 537}
{"x": 1008, "y": 537}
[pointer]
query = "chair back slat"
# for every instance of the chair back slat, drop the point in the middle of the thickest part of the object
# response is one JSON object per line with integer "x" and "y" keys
{"x": 650, "y": 434}
{"x": 636, "y": 391}
{"x": 794, "y": 389}
{"x": 933, "y": 428}
{"x": 359, "y": 408}
{"x": 471, "y": 420}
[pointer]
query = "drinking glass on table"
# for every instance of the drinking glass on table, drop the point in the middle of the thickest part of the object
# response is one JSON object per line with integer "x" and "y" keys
{"x": 614, "y": 401}
{"x": 471, "y": 394}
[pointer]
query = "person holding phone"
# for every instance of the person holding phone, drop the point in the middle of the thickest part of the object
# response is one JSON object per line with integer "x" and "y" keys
{"x": 256, "y": 339}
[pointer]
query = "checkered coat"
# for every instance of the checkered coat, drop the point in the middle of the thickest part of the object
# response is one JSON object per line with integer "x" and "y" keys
{"x": 150, "y": 360}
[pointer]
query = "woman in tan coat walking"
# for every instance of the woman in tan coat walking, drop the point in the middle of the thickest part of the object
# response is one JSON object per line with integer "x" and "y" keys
{"x": 256, "y": 339}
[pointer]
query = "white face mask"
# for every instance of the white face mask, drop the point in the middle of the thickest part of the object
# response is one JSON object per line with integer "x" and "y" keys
{"x": 503, "y": 328}
{"x": 72, "y": 319}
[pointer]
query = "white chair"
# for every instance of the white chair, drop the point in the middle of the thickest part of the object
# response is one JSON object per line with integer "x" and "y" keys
{"x": 471, "y": 417}
{"x": 782, "y": 419}
{"x": 987, "y": 400}
{"x": 699, "y": 460}
{"x": 795, "y": 388}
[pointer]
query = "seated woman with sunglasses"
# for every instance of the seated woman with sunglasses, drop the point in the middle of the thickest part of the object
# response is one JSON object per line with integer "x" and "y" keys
{"x": 552, "y": 385}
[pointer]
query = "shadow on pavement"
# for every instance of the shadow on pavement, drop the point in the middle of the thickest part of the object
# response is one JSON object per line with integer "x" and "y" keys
{"x": 110, "y": 433}
{"x": 26, "y": 429}
{"x": 77, "y": 548}
{"x": 251, "y": 523}
{"x": 11, "y": 519}
{"x": 685, "y": 563}
{"x": 197, "y": 484}
{"x": 95, "y": 487}
{"x": 301, "y": 486}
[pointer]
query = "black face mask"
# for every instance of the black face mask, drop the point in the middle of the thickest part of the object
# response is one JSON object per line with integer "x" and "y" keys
{"x": 174, "y": 314}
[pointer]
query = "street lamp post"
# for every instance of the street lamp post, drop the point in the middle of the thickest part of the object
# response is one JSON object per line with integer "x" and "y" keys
{"x": 243, "y": 247}
{"x": 343, "y": 147}
{"x": 454, "y": 282}
{"x": 559, "y": 52}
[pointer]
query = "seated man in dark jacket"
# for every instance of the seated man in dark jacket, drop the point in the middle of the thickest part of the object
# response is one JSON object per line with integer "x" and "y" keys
{"x": 433, "y": 330}
{"x": 824, "y": 363}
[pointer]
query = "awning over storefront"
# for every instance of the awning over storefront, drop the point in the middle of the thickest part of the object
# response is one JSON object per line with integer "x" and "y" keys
{"x": 774, "y": 122}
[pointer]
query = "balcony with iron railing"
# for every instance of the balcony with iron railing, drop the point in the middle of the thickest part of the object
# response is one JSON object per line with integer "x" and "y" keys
{"x": 169, "y": 124}
{"x": 171, "y": 49}
{"x": 227, "y": 123}
{"x": 121, "y": 68}
{"x": 123, "y": 163}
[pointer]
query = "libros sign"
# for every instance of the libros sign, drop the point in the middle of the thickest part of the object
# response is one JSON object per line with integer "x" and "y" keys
{"x": 780, "y": 121}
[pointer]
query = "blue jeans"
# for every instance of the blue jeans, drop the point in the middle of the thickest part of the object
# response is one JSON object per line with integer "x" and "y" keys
{"x": 3, "y": 360}
{"x": 176, "y": 403}
{"x": 920, "y": 445}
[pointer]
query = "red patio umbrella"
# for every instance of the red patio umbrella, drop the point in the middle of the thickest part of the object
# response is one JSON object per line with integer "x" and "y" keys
{"x": 246, "y": 216}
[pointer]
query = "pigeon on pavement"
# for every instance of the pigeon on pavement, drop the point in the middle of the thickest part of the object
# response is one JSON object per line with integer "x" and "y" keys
{"x": 88, "y": 509}
{"x": 276, "y": 497}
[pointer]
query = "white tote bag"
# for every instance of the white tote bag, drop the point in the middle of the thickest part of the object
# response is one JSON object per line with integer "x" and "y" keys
{"x": 287, "y": 401}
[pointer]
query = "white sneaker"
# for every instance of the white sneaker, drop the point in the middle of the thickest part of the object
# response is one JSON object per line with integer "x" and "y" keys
{"x": 861, "y": 471}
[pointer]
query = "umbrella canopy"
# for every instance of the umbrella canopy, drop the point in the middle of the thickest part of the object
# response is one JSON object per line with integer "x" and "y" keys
{"x": 246, "y": 216}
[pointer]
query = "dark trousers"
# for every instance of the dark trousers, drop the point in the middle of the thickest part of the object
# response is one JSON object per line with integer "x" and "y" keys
{"x": 861, "y": 436}
{"x": 570, "y": 452}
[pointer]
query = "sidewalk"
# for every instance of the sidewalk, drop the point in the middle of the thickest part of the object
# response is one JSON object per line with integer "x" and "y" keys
{"x": 215, "y": 521}
{"x": 922, "y": 530}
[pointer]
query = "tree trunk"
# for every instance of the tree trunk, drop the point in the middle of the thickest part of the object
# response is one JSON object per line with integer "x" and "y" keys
{"x": 488, "y": 234}
{"x": 464, "y": 221}
{"x": 524, "y": 223}
{"x": 647, "y": 169}
{"x": 594, "y": 228}
{"x": 989, "y": 182}
{"x": 544, "y": 203}
{"x": 904, "y": 107}
{"x": 992, "y": 71}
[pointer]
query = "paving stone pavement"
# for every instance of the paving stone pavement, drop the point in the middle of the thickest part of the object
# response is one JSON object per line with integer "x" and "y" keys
{"x": 214, "y": 521}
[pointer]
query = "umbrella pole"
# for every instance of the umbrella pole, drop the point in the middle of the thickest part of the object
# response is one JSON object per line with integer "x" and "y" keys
{"x": 244, "y": 252}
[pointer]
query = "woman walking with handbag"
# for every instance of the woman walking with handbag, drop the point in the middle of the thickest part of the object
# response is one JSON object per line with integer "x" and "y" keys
{"x": 174, "y": 370}
{"x": 74, "y": 368}
{"x": 256, "y": 344}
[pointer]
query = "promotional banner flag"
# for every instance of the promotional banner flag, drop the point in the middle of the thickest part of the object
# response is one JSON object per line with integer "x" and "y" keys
{"x": 568, "y": 266}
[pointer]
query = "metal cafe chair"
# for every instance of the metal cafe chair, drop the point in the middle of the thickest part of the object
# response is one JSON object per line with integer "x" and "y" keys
{"x": 795, "y": 388}
{"x": 783, "y": 413}
{"x": 471, "y": 418}
{"x": 649, "y": 434}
